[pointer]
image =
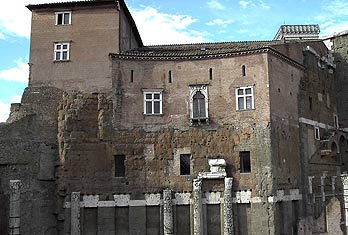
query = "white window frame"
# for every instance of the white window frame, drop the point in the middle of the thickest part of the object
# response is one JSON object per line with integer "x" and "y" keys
{"x": 244, "y": 96}
{"x": 152, "y": 100}
{"x": 61, "y": 50}
{"x": 63, "y": 17}
{"x": 317, "y": 133}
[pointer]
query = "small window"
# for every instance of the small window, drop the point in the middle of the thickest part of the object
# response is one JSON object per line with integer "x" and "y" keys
{"x": 170, "y": 76}
{"x": 243, "y": 71}
{"x": 185, "y": 164}
{"x": 317, "y": 133}
{"x": 61, "y": 51}
{"x": 245, "y": 165}
{"x": 120, "y": 168}
{"x": 310, "y": 103}
{"x": 63, "y": 18}
{"x": 152, "y": 102}
{"x": 132, "y": 76}
{"x": 245, "y": 98}
{"x": 336, "y": 125}
{"x": 211, "y": 74}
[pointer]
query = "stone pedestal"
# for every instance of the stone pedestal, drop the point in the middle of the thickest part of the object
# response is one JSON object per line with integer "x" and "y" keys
{"x": 228, "y": 213}
{"x": 15, "y": 210}
{"x": 344, "y": 179}
{"x": 75, "y": 214}
{"x": 168, "y": 223}
{"x": 197, "y": 207}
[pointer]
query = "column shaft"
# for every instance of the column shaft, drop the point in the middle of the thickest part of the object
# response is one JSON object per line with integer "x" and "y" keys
{"x": 228, "y": 212}
{"x": 197, "y": 207}
{"x": 75, "y": 213}
{"x": 168, "y": 213}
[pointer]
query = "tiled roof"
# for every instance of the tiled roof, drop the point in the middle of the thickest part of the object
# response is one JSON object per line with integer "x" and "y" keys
{"x": 69, "y": 4}
{"x": 198, "y": 51}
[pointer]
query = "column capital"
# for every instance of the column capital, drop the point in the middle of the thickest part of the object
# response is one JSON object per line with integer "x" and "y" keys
{"x": 344, "y": 178}
{"x": 228, "y": 183}
{"x": 15, "y": 185}
{"x": 197, "y": 184}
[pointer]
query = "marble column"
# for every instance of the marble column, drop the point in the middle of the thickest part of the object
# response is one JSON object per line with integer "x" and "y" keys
{"x": 168, "y": 222}
{"x": 75, "y": 214}
{"x": 197, "y": 207}
{"x": 15, "y": 210}
{"x": 228, "y": 212}
{"x": 344, "y": 179}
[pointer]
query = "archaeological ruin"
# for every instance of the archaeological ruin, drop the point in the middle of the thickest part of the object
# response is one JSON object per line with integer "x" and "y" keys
{"x": 114, "y": 137}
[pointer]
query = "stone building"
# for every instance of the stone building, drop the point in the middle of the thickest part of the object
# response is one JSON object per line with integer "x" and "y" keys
{"x": 114, "y": 137}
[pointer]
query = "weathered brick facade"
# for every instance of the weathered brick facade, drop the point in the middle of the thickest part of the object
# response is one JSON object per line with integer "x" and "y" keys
{"x": 120, "y": 144}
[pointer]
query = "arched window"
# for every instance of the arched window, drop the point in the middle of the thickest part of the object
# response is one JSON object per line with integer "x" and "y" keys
{"x": 199, "y": 105}
{"x": 198, "y": 101}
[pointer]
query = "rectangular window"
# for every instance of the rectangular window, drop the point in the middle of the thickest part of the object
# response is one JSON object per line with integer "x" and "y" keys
{"x": 317, "y": 133}
{"x": 63, "y": 18}
{"x": 185, "y": 164}
{"x": 245, "y": 98}
{"x": 120, "y": 168}
{"x": 152, "y": 102}
{"x": 245, "y": 164}
{"x": 336, "y": 122}
{"x": 61, "y": 51}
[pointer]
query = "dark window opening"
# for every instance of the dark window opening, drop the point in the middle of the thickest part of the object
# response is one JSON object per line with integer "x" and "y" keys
{"x": 60, "y": 19}
{"x": 132, "y": 76}
{"x": 185, "y": 164}
{"x": 243, "y": 71}
{"x": 310, "y": 103}
{"x": 317, "y": 133}
{"x": 199, "y": 105}
{"x": 245, "y": 164}
{"x": 170, "y": 77}
{"x": 120, "y": 168}
{"x": 211, "y": 74}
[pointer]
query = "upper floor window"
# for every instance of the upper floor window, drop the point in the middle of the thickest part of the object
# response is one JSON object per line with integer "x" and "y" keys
{"x": 63, "y": 18}
{"x": 152, "y": 102}
{"x": 199, "y": 103}
{"x": 245, "y": 98}
{"x": 61, "y": 51}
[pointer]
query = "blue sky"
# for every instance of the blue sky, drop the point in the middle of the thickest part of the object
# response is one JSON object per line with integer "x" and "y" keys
{"x": 168, "y": 22}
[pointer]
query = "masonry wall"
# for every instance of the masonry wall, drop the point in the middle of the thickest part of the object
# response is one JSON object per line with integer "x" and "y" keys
{"x": 340, "y": 48}
{"x": 93, "y": 34}
{"x": 29, "y": 153}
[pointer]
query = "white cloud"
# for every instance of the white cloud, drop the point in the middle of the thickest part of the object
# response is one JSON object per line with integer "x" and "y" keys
{"x": 16, "y": 98}
{"x": 4, "y": 111}
{"x": 222, "y": 31}
{"x": 216, "y": 5}
{"x": 15, "y": 18}
{"x": 244, "y": 4}
{"x": 20, "y": 73}
{"x": 218, "y": 22}
{"x": 161, "y": 28}
{"x": 264, "y": 5}
{"x": 332, "y": 28}
{"x": 243, "y": 31}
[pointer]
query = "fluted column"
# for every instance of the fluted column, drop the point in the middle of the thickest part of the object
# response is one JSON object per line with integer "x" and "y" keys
{"x": 228, "y": 212}
{"x": 15, "y": 209}
{"x": 197, "y": 207}
{"x": 75, "y": 213}
{"x": 168, "y": 212}
{"x": 344, "y": 179}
